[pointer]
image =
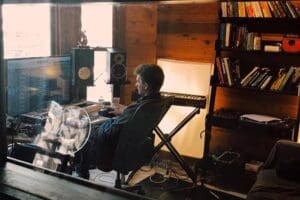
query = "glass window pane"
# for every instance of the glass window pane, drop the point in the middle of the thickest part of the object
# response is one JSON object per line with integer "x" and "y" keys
{"x": 26, "y": 30}
{"x": 96, "y": 22}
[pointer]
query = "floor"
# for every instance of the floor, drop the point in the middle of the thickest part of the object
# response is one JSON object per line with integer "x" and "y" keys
{"x": 167, "y": 182}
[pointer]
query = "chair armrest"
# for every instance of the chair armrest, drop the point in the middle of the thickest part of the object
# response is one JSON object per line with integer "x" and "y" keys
{"x": 283, "y": 150}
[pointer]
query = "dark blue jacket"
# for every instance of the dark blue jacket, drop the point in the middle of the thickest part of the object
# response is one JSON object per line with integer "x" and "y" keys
{"x": 105, "y": 140}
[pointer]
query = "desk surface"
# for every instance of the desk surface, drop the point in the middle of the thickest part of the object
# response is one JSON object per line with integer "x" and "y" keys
{"x": 23, "y": 182}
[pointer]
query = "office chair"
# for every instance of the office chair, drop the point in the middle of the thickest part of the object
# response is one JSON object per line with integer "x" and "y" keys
{"x": 136, "y": 140}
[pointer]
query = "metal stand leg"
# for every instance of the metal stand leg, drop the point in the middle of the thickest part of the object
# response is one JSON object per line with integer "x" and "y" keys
{"x": 166, "y": 140}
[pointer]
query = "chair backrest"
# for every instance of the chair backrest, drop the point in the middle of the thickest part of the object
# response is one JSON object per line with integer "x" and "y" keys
{"x": 135, "y": 146}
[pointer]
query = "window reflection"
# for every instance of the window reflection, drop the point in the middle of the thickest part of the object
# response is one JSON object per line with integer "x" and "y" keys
{"x": 26, "y": 30}
{"x": 96, "y": 20}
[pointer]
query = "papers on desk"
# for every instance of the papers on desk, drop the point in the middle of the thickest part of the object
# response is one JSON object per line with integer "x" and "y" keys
{"x": 259, "y": 118}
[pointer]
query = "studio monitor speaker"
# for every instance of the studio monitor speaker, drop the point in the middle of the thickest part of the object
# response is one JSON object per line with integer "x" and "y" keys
{"x": 116, "y": 66}
{"x": 83, "y": 64}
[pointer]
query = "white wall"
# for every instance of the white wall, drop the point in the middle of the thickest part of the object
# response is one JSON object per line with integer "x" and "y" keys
{"x": 189, "y": 78}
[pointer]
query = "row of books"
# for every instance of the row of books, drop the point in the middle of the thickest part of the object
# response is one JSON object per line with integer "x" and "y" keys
{"x": 263, "y": 9}
{"x": 259, "y": 77}
{"x": 234, "y": 36}
{"x": 228, "y": 71}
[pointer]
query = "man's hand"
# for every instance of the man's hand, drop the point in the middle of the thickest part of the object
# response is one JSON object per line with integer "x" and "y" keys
{"x": 118, "y": 110}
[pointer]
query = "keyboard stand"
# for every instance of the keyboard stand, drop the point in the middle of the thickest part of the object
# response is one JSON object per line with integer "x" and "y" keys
{"x": 166, "y": 140}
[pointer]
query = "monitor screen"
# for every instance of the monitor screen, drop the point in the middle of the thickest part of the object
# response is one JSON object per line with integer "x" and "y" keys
{"x": 33, "y": 82}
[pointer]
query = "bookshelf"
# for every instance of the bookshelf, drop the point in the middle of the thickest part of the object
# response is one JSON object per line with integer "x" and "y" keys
{"x": 253, "y": 42}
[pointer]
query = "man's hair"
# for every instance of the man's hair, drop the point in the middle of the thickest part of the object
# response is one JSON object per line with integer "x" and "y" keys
{"x": 152, "y": 74}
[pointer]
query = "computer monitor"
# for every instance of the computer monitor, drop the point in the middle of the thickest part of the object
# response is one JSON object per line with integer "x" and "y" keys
{"x": 33, "y": 82}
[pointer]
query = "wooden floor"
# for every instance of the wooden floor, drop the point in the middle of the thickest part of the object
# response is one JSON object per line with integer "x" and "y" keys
{"x": 175, "y": 186}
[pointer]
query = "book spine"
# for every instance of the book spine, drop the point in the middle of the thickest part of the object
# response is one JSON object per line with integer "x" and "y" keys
{"x": 286, "y": 78}
{"x": 219, "y": 69}
{"x": 241, "y": 7}
{"x": 224, "y": 71}
{"x": 224, "y": 9}
{"x": 253, "y": 78}
{"x": 245, "y": 80}
{"x": 227, "y": 34}
{"x": 278, "y": 81}
{"x": 291, "y": 8}
{"x": 262, "y": 75}
{"x": 272, "y": 8}
{"x": 222, "y": 34}
{"x": 265, "y": 9}
{"x": 228, "y": 72}
{"x": 266, "y": 82}
{"x": 249, "y": 9}
{"x": 285, "y": 9}
{"x": 280, "y": 9}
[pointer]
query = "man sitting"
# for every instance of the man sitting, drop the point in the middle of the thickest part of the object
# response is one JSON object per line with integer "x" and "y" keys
{"x": 100, "y": 147}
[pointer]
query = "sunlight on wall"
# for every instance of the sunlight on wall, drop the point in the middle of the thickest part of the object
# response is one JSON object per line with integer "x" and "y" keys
{"x": 26, "y": 30}
{"x": 99, "y": 34}
{"x": 188, "y": 78}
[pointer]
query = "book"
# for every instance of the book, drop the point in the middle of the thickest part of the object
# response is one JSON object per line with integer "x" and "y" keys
{"x": 250, "y": 41}
{"x": 265, "y": 9}
{"x": 296, "y": 75}
{"x": 280, "y": 9}
{"x": 227, "y": 34}
{"x": 256, "y": 8}
{"x": 222, "y": 34}
{"x": 265, "y": 82}
{"x": 260, "y": 78}
{"x": 249, "y": 9}
{"x": 241, "y": 8}
{"x": 257, "y": 42}
{"x": 277, "y": 82}
{"x": 219, "y": 69}
{"x": 229, "y": 9}
{"x": 286, "y": 78}
{"x": 291, "y": 9}
{"x": 235, "y": 9}
{"x": 247, "y": 78}
{"x": 285, "y": 9}
{"x": 253, "y": 78}
{"x": 224, "y": 9}
{"x": 272, "y": 8}
{"x": 228, "y": 72}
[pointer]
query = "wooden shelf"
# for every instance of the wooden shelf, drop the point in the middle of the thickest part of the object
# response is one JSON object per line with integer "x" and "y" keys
{"x": 257, "y": 52}
{"x": 233, "y": 63}
{"x": 232, "y": 122}
{"x": 255, "y": 90}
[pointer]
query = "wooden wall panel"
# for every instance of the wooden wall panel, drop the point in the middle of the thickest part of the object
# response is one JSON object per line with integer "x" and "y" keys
{"x": 187, "y": 31}
{"x": 138, "y": 37}
{"x": 66, "y": 28}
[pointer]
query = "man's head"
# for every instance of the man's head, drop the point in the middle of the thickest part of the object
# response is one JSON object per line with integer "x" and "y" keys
{"x": 149, "y": 79}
